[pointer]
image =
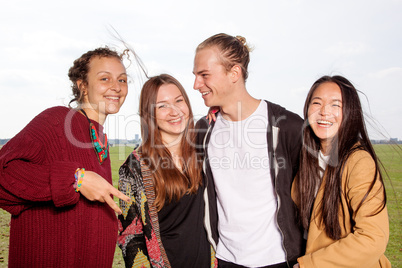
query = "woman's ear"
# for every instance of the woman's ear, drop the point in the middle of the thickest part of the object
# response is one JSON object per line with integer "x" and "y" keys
{"x": 81, "y": 86}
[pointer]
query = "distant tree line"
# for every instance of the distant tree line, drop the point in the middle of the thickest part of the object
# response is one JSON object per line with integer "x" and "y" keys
{"x": 122, "y": 142}
{"x": 3, "y": 141}
{"x": 390, "y": 141}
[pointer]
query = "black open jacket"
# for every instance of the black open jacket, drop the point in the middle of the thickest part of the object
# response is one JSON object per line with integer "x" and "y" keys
{"x": 284, "y": 132}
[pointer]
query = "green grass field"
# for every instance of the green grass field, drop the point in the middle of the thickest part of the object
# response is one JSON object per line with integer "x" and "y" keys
{"x": 391, "y": 157}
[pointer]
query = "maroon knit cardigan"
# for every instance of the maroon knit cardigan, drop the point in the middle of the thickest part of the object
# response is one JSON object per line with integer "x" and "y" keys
{"x": 51, "y": 224}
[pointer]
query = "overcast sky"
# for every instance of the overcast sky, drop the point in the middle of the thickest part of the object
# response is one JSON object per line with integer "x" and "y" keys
{"x": 295, "y": 42}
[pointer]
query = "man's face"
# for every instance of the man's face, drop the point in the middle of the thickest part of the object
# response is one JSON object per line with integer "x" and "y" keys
{"x": 211, "y": 78}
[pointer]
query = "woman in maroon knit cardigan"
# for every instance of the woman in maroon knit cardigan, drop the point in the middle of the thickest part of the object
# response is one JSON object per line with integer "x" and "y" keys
{"x": 55, "y": 175}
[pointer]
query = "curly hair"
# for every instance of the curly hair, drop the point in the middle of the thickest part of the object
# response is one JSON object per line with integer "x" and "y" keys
{"x": 80, "y": 69}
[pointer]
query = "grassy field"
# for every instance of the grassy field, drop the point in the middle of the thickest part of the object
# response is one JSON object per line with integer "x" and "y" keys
{"x": 390, "y": 156}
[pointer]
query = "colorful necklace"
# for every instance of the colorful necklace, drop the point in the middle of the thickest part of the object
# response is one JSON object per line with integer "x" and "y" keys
{"x": 100, "y": 149}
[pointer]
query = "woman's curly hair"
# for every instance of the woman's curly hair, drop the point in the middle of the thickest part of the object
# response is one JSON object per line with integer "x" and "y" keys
{"x": 80, "y": 69}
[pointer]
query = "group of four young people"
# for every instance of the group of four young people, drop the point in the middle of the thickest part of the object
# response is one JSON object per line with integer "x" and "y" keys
{"x": 240, "y": 191}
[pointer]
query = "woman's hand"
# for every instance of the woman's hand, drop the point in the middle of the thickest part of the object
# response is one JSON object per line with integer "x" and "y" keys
{"x": 296, "y": 265}
{"x": 211, "y": 113}
{"x": 96, "y": 188}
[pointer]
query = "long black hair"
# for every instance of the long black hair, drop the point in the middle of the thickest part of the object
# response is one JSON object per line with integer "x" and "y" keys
{"x": 352, "y": 136}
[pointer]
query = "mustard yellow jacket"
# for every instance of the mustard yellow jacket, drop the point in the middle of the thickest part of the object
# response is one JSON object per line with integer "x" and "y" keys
{"x": 364, "y": 238}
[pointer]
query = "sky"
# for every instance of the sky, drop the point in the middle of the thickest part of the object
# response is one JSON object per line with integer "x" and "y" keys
{"x": 295, "y": 42}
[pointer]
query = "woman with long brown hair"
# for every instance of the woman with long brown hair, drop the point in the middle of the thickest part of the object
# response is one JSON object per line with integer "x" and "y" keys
{"x": 163, "y": 225}
{"x": 339, "y": 189}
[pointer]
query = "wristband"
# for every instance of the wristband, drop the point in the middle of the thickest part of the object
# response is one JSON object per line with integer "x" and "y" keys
{"x": 78, "y": 178}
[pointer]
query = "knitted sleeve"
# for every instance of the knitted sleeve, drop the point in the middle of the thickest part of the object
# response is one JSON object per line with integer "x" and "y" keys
{"x": 28, "y": 174}
{"x": 135, "y": 217}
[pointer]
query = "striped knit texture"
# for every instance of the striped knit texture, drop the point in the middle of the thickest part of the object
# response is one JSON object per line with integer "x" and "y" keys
{"x": 51, "y": 224}
{"x": 150, "y": 193}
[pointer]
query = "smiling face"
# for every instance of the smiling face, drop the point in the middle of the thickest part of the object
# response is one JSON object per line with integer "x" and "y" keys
{"x": 106, "y": 87}
{"x": 171, "y": 112}
{"x": 325, "y": 113}
{"x": 211, "y": 78}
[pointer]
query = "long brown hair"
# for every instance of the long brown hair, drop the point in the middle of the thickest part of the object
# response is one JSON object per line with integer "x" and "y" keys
{"x": 352, "y": 131}
{"x": 169, "y": 181}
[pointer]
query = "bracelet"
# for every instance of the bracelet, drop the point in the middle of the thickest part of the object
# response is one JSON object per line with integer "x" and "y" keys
{"x": 78, "y": 179}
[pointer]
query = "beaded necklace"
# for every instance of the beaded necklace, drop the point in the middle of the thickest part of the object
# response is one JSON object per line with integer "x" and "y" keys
{"x": 100, "y": 149}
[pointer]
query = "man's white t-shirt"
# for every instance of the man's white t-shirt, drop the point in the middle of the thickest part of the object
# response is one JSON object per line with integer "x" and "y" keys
{"x": 247, "y": 205}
